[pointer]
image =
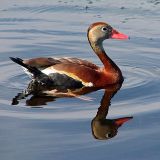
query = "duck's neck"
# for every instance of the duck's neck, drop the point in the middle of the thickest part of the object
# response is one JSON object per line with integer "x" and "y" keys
{"x": 109, "y": 65}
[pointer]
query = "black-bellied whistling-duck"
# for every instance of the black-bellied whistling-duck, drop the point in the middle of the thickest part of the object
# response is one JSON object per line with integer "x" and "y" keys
{"x": 73, "y": 72}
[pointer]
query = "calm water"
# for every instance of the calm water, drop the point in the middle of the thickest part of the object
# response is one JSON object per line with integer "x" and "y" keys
{"x": 61, "y": 128}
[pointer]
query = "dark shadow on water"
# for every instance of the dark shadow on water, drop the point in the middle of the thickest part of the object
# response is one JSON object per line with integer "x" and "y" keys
{"x": 102, "y": 128}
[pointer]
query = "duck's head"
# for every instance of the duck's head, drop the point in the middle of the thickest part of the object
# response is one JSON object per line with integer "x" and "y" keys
{"x": 99, "y": 31}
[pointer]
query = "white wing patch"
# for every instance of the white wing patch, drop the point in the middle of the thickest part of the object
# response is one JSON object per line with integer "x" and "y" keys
{"x": 48, "y": 71}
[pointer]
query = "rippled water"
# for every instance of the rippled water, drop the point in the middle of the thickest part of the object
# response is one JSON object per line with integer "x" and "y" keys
{"x": 61, "y": 128}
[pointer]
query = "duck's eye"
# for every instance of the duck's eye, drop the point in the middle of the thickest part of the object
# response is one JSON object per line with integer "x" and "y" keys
{"x": 108, "y": 135}
{"x": 104, "y": 29}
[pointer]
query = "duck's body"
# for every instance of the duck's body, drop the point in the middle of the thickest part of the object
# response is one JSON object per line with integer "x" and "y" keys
{"x": 84, "y": 71}
{"x": 78, "y": 70}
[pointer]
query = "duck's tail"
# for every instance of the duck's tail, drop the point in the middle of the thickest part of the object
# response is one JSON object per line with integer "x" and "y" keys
{"x": 33, "y": 70}
{"x": 35, "y": 73}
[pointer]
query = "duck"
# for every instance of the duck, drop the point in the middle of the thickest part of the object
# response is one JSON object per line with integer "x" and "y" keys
{"x": 75, "y": 72}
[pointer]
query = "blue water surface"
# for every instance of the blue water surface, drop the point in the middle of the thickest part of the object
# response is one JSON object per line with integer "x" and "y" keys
{"x": 61, "y": 128}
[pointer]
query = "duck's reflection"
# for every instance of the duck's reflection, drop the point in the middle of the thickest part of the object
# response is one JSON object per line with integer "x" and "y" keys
{"x": 102, "y": 128}
{"x": 39, "y": 95}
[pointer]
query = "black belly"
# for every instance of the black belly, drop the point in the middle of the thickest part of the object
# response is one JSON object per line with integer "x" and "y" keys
{"x": 55, "y": 80}
{"x": 64, "y": 81}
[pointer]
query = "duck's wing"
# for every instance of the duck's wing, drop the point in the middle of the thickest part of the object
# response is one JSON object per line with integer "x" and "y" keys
{"x": 86, "y": 74}
{"x": 79, "y": 62}
{"x": 42, "y": 63}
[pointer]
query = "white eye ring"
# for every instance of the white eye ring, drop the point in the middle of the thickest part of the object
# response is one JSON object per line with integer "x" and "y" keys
{"x": 104, "y": 29}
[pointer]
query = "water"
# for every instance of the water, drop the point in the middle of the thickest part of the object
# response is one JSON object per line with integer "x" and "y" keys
{"x": 61, "y": 128}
